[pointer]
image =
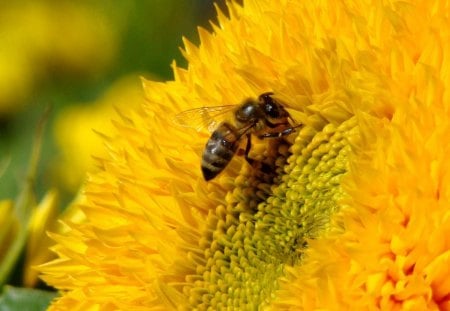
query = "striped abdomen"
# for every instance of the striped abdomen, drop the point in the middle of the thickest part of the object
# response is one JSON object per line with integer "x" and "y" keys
{"x": 219, "y": 150}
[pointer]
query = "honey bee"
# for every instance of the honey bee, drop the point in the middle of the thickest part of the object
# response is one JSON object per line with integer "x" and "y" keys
{"x": 263, "y": 117}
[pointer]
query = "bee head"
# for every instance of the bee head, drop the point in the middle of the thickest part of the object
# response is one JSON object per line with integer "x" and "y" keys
{"x": 271, "y": 107}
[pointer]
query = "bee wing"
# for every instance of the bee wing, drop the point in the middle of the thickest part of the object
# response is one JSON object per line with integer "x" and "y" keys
{"x": 203, "y": 117}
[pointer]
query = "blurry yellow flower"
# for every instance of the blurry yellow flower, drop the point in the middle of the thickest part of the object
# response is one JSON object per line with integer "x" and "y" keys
{"x": 28, "y": 232}
{"x": 39, "y": 37}
{"x": 78, "y": 130}
{"x": 37, "y": 252}
{"x": 353, "y": 216}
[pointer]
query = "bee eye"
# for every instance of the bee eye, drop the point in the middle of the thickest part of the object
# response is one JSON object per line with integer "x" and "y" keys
{"x": 272, "y": 109}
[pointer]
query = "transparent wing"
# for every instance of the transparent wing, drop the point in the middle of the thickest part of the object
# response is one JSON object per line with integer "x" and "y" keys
{"x": 204, "y": 117}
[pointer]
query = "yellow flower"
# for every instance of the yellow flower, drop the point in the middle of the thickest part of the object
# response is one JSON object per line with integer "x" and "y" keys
{"x": 354, "y": 215}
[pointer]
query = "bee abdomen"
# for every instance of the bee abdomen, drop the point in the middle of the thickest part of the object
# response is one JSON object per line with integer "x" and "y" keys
{"x": 219, "y": 151}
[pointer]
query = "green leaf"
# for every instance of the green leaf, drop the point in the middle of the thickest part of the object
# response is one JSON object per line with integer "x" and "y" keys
{"x": 25, "y": 299}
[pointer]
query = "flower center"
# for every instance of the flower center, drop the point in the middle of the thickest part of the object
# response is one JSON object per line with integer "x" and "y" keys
{"x": 269, "y": 218}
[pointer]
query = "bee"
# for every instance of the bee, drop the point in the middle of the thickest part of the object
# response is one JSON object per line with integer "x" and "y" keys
{"x": 263, "y": 117}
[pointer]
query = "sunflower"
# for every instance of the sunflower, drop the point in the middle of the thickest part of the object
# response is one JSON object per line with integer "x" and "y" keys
{"x": 350, "y": 212}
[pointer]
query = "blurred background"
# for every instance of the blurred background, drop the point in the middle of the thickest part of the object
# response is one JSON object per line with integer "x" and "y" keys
{"x": 82, "y": 59}
{"x": 72, "y": 56}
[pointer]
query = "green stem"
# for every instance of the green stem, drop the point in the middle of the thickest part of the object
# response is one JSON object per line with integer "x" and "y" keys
{"x": 25, "y": 204}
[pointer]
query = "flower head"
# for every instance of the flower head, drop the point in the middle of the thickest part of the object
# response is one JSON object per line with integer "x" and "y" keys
{"x": 341, "y": 218}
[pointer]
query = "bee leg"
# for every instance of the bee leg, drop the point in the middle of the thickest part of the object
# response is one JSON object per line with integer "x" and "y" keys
{"x": 240, "y": 152}
{"x": 247, "y": 150}
{"x": 278, "y": 134}
{"x": 263, "y": 167}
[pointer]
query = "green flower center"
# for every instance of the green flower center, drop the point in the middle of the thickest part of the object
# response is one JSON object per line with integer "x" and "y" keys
{"x": 269, "y": 218}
